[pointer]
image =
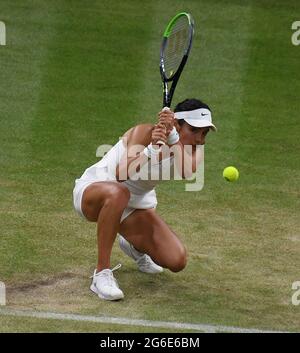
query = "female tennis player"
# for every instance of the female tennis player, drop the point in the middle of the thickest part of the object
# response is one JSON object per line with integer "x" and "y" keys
{"x": 109, "y": 193}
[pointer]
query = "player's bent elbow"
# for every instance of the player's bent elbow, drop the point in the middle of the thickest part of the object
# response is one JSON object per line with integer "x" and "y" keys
{"x": 120, "y": 180}
{"x": 119, "y": 175}
{"x": 187, "y": 175}
{"x": 183, "y": 175}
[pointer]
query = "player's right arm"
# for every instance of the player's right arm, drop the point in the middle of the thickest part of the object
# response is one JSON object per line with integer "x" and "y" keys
{"x": 136, "y": 139}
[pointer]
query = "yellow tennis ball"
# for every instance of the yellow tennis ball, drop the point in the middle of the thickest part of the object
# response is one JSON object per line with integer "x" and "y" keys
{"x": 231, "y": 174}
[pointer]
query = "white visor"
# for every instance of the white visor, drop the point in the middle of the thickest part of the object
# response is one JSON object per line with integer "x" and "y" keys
{"x": 198, "y": 118}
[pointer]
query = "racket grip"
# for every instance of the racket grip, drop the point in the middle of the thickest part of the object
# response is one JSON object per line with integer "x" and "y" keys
{"x": 161, "y": 143}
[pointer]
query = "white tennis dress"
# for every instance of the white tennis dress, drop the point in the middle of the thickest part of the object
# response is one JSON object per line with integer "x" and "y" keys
{"x": 142, "y": 190}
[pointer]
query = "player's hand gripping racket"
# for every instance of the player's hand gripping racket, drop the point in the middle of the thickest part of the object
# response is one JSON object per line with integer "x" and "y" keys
{"x": 174, "y": 52}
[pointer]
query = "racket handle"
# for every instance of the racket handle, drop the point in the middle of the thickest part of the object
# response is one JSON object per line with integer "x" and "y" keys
{"x": 161, "y": 143}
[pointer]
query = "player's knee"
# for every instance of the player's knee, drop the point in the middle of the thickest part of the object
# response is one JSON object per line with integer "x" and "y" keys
{"x": 117, "y": 196}
{"x": 179, "y": 260}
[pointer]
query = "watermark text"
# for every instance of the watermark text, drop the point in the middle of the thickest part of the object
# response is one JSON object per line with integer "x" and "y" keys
{"x": 2, "y": 293}
{"x": 296, "y": 295}
{"x": 176, "y": 162}
{"x": 2, "y": 33}
{"x": 296, "y": 35}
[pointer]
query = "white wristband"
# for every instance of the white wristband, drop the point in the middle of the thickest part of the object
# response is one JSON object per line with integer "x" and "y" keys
{"x": 150, "y": 151}
{"x": 173, "y": 137}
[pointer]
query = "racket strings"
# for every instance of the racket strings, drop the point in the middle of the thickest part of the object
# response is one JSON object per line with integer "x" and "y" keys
{"x": 177, "y": 45}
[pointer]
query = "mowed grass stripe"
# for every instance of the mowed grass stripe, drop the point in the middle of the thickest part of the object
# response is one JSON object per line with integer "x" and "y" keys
{"x": 10, "y": 323}
{"x": 87, "y": 96}
{"x": 128, "y": 322}
{"x": 29, "y": 29}
{"x": 267, "y": 144}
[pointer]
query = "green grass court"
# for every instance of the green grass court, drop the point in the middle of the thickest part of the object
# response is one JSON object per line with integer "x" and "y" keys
{"x": 75, "y": 75}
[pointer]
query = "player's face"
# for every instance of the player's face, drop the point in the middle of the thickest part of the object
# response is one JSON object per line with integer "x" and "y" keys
{"x": 190, "y": 135}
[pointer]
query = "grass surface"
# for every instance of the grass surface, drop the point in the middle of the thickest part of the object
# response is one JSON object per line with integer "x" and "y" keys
{"x": 77, "y": 75}
{"x": 19, "y": 324}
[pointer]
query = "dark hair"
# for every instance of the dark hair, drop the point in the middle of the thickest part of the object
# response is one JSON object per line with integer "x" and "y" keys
{"x": 189, "y": 104}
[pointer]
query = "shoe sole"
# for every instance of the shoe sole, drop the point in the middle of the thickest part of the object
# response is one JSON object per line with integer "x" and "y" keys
{"x": 94, "y": 289}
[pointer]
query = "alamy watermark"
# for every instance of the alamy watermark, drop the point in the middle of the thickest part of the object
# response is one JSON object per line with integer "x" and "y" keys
{"x": 296, "y": 35}
{"x": 2, "y": 33}
{"x": 2, "y": 293}
{"x": 296, "y": 295}
{"x": 174, "y": 163}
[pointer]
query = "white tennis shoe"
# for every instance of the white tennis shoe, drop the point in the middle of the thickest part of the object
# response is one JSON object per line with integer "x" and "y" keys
{"x": 105, "y": 285}
{"x": 144, "y": 261}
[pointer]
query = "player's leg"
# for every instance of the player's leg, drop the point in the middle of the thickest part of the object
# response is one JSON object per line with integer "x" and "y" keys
{"x": 104, "y": 203}
{"x": 150, "y": 234}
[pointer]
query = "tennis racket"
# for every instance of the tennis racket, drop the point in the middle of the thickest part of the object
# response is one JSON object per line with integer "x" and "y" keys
{"x": 174, "y": 52}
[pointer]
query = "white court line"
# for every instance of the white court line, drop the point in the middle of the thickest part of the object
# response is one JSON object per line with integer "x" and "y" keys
{"x": 129, "y": 322}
